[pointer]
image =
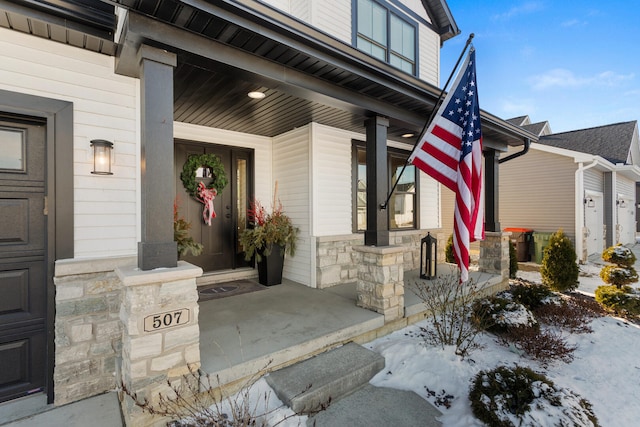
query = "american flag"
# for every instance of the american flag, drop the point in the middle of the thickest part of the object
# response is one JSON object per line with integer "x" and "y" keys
{"x": 450, "y": 151}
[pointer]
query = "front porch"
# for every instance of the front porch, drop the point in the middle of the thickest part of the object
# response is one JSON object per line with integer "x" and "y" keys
{"x": 244, "y": 335}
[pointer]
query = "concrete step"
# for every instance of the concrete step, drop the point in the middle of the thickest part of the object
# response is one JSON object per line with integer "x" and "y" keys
{"x": 307, "y": 385}
{"x": 372, "y": 406}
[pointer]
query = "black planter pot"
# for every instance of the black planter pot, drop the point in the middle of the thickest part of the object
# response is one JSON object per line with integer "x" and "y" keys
{"x": 270, "y": 266}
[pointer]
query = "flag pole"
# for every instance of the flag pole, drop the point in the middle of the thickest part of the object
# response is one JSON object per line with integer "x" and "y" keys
{"x": 384, "y": 205}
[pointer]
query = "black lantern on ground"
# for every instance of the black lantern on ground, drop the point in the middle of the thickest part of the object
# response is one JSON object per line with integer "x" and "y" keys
{"x": 101, "y": 157}
{"x": 428, "y": 257}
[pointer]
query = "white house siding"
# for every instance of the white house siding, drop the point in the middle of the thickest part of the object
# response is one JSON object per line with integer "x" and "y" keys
{"x": 331, "y": 171}
{"x": 429, "y": 202}
{"x": 634, "y": 151}
{"x": 429, "y": 56}
{"x": 625, "y": 186}
{"x": 593, "y": 180}
{"x": 291, "y": 171}
{"x": 626, "y": 220}
{"x": 301, "y": 9}
{"x": 283, "y": 5}
{"x": 105, "y": 106}
{"x": 332, "y": 17}
{"x": 538, "y": 191}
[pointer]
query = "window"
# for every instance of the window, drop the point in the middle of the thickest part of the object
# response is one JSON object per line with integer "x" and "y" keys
{"x": 384, "y": 34}
{"x": 402, "y": 205}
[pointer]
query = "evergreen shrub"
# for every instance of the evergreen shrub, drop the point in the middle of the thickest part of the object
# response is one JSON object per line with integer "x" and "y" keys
{"x": 498, "y": 314}
{"x": 559, "y": 269}
{"x": 622, "y": 273}
{"x": 531, "y": 295}
{"x": 620, "y": 300}
{"x": 509, "y": 397}
{"x": 513, "y": 260}
{"x": 448, "y": 250}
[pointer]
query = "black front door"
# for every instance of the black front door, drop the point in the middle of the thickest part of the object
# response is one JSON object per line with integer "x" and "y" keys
{"x": 220, "y": 239}
{"x": 23, "y": 284}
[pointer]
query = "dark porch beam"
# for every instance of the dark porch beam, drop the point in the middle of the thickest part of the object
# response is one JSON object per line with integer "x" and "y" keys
{"x": 140, "y": 29}
{"x": 377, "y": 233}
{"x": 491, "y": 193}
{"x": 157, "y": 248}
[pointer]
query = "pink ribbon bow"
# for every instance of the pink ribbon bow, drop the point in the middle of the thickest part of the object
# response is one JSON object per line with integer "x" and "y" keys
{"x": 206, "y": 196}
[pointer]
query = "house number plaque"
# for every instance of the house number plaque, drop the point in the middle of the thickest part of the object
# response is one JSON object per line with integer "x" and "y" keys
{"x": 168, "y": 319}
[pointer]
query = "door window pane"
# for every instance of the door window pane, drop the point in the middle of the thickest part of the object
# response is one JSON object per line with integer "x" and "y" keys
{"x": 242, "y": 200}
{"x": 12, "y": 150}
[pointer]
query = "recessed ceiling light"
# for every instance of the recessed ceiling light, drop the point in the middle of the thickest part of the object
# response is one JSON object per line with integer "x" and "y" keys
{"x": 408, "y": 135}
{"x": 256, "y": 95}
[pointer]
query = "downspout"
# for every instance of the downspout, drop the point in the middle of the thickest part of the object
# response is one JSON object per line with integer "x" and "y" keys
{"x": 525, "y": 149}
{"x": 579, "y": 218}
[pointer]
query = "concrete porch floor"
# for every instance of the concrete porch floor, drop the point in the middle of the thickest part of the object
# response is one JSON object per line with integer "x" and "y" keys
{"x": 247, "y": 334}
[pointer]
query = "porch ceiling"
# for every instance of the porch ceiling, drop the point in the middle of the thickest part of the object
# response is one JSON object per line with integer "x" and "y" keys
{"x": 227, "y": 48}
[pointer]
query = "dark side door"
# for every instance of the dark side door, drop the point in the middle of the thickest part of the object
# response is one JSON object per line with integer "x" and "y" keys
{"x": 23, "y": 284}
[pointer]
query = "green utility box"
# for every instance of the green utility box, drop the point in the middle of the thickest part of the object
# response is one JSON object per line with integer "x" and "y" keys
{"x": 540, "y": 240}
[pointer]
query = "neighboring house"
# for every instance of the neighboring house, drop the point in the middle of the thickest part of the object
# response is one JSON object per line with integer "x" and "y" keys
{"x": 163, "y": 80}
{"x": 582, "y": 181}
{"x": 540, "y": 128}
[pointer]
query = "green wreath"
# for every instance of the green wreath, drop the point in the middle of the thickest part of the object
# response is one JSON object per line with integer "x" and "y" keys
{"x": 193, "y": 163}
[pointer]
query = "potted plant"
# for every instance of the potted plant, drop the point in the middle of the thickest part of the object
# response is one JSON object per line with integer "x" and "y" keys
{"x": 270, "y": 237}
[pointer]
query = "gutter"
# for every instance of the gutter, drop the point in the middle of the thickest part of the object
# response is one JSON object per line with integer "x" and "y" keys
{"x": 525, "y": 149}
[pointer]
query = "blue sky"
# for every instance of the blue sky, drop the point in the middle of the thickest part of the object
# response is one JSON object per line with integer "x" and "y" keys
{"x": 573, "y": 63}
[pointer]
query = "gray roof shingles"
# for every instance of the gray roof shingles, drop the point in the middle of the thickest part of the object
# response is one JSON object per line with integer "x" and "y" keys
{"x": 611, "y": 142}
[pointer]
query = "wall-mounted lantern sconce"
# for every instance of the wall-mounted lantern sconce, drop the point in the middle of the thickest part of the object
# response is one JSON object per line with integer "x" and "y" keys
{"x": 101, "y": 157}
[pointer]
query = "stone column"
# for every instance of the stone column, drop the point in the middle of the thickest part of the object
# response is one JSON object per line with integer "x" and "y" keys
{"x": 494, "y": 253}
{"x": 381, "y": 280}
{"x": 161, "y": 335}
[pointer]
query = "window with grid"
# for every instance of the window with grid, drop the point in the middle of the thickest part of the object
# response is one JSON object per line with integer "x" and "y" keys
{"x": 402, "y": 207}
{"x": 384, "y": 34}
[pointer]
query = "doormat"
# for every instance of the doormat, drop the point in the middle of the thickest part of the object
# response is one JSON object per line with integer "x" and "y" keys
{"x": 228, "y": 289}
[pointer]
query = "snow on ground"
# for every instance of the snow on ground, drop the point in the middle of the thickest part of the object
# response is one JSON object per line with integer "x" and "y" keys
{"x": 605, "y": 369}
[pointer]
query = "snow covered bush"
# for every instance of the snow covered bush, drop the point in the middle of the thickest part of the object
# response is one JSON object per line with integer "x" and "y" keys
{"x": 622, "y": 273}
{"x": 559, "y": 269}
{"x": 509, "y": 397}
{"x": 449, "y": 306}
{"x": 531, "y": 295}
{"x": 620, "y": 255}
{"x": 620, "y": 300}
{"x": 618, "y": 276}
{"x": 500, "y": 313}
